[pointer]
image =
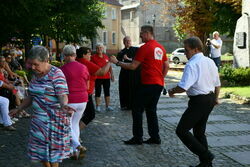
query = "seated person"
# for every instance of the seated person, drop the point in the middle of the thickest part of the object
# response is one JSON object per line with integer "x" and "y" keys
{"x": 11, "y": 94}
{"x": 14, "y": 64}
{"x": 5, "y": 120}
{"x": 9, "y": 67}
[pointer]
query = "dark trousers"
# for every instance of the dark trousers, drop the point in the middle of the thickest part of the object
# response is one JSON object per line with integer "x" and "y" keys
{"x": 98, "y": 87}
{"x": 147, "y": 98}
{"x": 195, "y": 117}
{"x": 124, "y": 89}
{"x": 217, "y": 62}
{"x": 89, "y": 113}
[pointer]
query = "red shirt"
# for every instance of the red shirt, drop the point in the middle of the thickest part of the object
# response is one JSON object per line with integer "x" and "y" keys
{"x": 2, "y": 78}
{"x": 93, "y": 68}
{"x": 101, "y": 61}
{"x": 152, "y": 56}
{"x": 77, "y": 76}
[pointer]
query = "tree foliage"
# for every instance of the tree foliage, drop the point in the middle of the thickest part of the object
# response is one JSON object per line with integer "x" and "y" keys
{"x": 201, "y": 17}
{"x": 68, "y": 20}
{"x": 235, "y": 4}
{"x": 71, "y": 20}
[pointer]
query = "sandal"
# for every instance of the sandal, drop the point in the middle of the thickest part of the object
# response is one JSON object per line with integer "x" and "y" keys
{"x": 75, "y": 155}
{"x": 82, "y": 151}
{"x": 25, "y": 114}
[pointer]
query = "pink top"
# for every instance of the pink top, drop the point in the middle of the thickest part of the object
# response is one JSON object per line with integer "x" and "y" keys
{"x": 77, "y": 76}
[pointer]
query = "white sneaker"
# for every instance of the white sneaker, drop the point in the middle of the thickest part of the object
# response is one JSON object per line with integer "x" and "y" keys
{"x": 98, "y": 109}
{"x": 15, "y": 119}
{"x": 109, "y": 108}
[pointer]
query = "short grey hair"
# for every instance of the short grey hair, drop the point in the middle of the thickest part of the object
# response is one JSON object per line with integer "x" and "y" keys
{"x": 69, "y": 50}
{"x": 100, "y": 45}
{"x": 215, "y": 32}
{"x": 40, "y": 53}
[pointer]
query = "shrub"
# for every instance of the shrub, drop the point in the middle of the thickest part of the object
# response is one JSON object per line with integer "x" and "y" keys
{"x": 56, "y": 63}
{"x": 235, "y": 76}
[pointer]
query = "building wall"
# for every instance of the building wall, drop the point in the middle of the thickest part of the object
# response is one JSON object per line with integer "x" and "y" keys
{"x": 163, "y": 25}
{"x": 111, "y": 26}
{"x": 130, "y": 26}
{"x": 151, "y": 15}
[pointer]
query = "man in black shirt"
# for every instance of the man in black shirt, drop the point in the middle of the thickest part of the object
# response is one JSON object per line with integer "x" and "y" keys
{"x": 129, "y": 80}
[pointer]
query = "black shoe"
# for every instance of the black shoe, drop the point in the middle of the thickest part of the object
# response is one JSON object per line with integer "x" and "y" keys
{"x": 206, "y": 160}
{"x": 152, "y": 141}
{"x": 125, "y": 108}
{"x": 133, "y": 141}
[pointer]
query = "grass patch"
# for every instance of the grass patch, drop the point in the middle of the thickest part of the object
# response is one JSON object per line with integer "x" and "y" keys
{"x": 243, "y": 91}
{"x": 227, "y": 57}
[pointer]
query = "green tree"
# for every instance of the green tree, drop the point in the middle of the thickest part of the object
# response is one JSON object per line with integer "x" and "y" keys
{"x": 63, "y": 20}
{"x": 70, "y": 20}
{"x": 201, "y": 17}
{"x": 22, "y": 18}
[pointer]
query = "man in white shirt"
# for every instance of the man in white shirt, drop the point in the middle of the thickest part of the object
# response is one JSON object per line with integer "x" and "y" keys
{"x": 216, "y": 44}
{"x": 201, "y": 82}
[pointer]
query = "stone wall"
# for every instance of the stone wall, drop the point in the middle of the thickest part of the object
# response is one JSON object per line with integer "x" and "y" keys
{"x": 241, "y": 47}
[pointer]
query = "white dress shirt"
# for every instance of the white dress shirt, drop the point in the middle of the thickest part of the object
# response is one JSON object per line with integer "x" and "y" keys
{"x": 215, "y": 53}
{"x": 200, "y": 76}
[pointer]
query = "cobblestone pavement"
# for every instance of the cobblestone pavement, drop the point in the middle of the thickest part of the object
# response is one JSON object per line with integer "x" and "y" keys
{"x": 228, "y": 133}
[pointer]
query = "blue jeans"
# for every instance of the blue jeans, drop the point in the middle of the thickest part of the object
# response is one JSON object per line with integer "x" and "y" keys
{"x": 217, "y": 62}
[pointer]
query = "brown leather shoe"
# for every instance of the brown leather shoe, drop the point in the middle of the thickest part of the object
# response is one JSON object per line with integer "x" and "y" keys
{"x": 9, "y": 128}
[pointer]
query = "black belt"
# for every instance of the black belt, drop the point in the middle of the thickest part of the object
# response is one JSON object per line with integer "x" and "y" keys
{"x": 210, "y": 93}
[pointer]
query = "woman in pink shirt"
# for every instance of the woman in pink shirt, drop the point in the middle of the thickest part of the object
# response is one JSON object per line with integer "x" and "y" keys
{"x": 77, "y": 77}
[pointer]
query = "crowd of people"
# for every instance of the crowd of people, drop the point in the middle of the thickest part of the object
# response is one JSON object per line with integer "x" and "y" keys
{"x": 61, "y": 102}
{"x": 13, "y": 83}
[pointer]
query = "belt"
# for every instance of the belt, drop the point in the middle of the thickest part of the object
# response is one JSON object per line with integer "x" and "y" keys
{"x": 210, "y": 93}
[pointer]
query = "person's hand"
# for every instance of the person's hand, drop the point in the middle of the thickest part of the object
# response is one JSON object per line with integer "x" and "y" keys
{"x": 112, "y": 78}
{"x": 11, "y": 87}
{"x": 125, "y": 57}
{"x": 217, "y": 101}
{"x": 170, "y": 93}
{"x": 68, "y": 110}
{"x": 13, "y": 112}
{"x": 113, "y": 59}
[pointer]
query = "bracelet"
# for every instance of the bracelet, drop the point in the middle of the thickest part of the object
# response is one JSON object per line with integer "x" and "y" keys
{"x": 118, "y": 63}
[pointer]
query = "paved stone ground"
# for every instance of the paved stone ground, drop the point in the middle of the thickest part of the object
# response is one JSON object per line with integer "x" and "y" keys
{"x": 228, "y": 132}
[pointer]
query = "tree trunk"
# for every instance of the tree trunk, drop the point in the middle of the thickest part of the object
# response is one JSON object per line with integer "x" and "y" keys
{"x": 57, "y": 50}
{"x": 27, "y": 45}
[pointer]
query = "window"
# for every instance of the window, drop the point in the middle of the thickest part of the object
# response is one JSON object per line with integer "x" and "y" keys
{"x": 113, "y": 13}
{"x": 181, "y": 51}
{"x": 113, "y": 38}
{"x": 132, "y": 15}
{"x": 104, "y": 37}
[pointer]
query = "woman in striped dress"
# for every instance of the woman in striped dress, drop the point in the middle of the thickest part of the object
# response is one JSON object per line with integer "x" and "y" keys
{"x": 50, "y": 138}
